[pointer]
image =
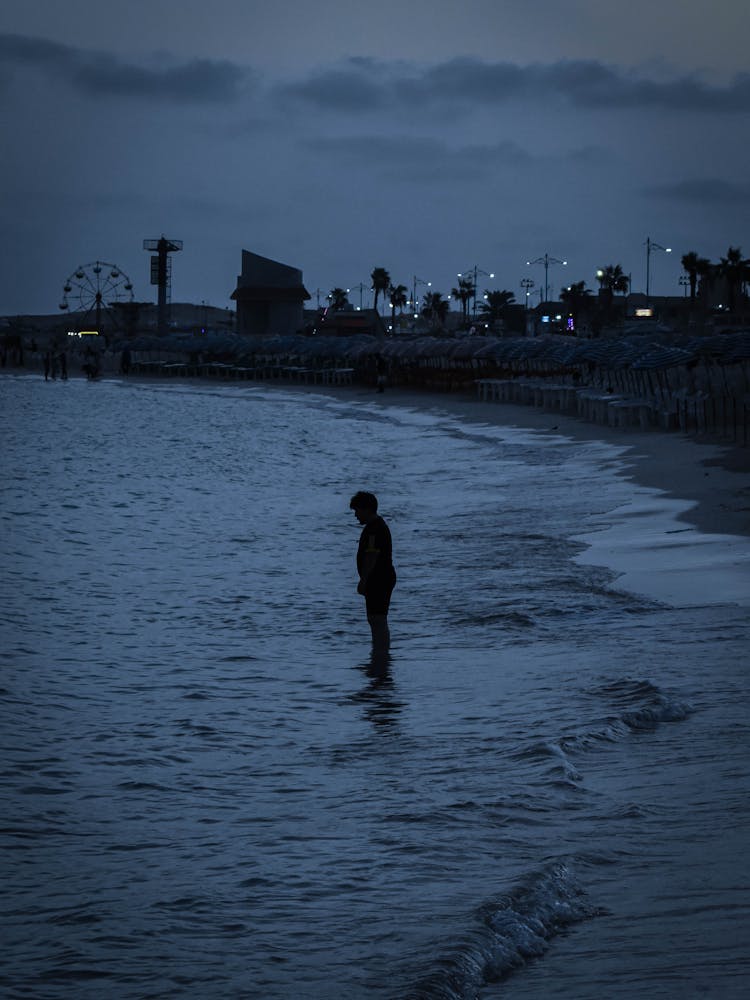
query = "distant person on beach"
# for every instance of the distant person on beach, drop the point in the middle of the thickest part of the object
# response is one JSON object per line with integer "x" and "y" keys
{"x": 91, "y": 364}
{"x": 63, "y": 365}
{"x": 47, "y": 364}
{"x": 377, "y": 577}
{"x": 381, "y": 368}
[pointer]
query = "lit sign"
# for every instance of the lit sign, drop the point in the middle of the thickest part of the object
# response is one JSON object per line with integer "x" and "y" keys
{"x": 83, "y": 333}
{"x": 644, "y": 312}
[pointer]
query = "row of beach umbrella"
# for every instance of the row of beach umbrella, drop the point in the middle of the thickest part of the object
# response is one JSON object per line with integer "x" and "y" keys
{"x": 650, "y": 351}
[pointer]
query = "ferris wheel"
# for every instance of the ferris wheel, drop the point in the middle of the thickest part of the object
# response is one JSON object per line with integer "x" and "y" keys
{"x": 93, "y": 288}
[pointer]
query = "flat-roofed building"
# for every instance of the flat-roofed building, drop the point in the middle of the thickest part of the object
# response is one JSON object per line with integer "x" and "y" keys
{"x": 270, "y": 297}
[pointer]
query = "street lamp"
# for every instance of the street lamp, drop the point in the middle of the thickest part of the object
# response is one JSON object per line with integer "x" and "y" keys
{"x": 417, "y": 281}
{"x": 650, "y": 245}
{"x": 684, "y": 282}
{"x": 546, "y": 260}
{"x": 527, "y": 284}
{"x": 360, "y": 288}
{"x": 475, "y": 271}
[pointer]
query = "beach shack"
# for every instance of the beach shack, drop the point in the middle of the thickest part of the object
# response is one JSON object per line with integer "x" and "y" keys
{"x": 270, "y": 297}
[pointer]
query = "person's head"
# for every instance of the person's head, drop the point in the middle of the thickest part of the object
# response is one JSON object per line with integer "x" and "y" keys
{"x": 364, "y": 505}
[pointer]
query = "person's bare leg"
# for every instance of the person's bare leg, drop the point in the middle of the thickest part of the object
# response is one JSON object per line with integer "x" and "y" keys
{"x": 381, "y": 637}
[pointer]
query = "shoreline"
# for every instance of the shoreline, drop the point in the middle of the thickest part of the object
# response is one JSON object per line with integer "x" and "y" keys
{"x": 712, "y": 474}
{"x": 682, "y": 540}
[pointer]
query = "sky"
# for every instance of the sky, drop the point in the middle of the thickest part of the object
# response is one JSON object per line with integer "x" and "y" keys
{"x": 424, "y": 137}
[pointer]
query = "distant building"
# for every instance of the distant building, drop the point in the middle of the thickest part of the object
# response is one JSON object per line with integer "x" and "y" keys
{"x": 270, "y": 297}
{"x": 350, "y": 322}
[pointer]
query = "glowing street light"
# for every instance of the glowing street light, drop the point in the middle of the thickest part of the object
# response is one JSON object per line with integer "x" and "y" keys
{"x": 527, "y": 284}
{"x": 546, "y": 260}
{"x": 650, "y": 245}
{"x": 475, "y": 271}
{"x": 417, "y": 281}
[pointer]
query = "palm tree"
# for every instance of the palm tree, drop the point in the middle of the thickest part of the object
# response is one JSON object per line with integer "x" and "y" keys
{"x": 612, "y": 279}
{"x": 495, "y": 304}
{"x": 338, "y": 299}
{"x": 399, "y": 299}
{"x": 464, "y": 294}
{"x": 435, "y": 308}
{"x": 735, "y": 271}
{"x": 694, "y": 266}
{"x": 575, "y": 296}
{"x": 381, "y": 282}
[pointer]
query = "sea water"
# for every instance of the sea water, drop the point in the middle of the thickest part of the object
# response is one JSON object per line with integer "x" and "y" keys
{"x": 211, "y": 789}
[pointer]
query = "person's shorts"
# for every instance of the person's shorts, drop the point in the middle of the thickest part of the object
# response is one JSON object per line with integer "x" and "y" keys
{"x": 378, "y": 597}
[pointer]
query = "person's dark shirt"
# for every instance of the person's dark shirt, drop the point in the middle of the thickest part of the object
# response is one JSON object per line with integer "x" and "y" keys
{"x": 376, "y": 540}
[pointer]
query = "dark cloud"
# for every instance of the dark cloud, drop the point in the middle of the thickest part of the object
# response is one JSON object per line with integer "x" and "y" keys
{"x": 198, "y": 80}
{"x": 338, "y": 90}
{"x": 96, "y": 75}
{"x": 703, "y": 191}
{"x": 419, "y": 158}
{"x": 423, "y": 158}
{"x": 364, "y": 85}
{"x": 378, "y": 148}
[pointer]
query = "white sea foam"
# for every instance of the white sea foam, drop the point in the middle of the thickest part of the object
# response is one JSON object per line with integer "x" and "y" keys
{"x": 661, "y": 557}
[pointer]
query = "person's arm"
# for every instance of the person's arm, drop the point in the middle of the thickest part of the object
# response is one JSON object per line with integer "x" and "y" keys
{"x": 370, "y": 558}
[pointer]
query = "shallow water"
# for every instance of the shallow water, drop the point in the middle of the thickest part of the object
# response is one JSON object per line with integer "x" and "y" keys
{"x": 210, "y": 789}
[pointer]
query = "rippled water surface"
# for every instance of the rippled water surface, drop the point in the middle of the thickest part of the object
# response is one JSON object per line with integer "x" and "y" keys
{"x": 210, "y": 789}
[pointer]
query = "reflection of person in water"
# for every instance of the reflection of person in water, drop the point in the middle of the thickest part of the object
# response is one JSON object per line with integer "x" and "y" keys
{"x": 377, "y": 577}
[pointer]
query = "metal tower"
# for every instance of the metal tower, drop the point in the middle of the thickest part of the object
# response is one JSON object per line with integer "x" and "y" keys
{"x": 161, "y": 275}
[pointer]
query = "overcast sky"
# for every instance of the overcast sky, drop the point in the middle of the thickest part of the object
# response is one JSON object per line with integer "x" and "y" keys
{"x": 425, "y": 137}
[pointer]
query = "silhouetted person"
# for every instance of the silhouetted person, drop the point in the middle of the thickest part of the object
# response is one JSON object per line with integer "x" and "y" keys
{"x": 377, "y": 577}
{"x": 381, "y": 367}
{"x": 63, "y": 365}
{"x": 91, "y": 364}
{"x": 47, "y": 365}
{"x": 125, "y": 361}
